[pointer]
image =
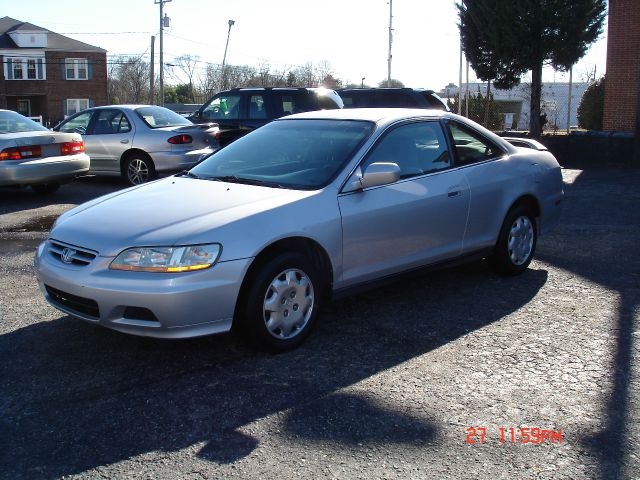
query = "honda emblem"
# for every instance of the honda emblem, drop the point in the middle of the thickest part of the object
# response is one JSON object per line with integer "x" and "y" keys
{"x": 67, "y": 255}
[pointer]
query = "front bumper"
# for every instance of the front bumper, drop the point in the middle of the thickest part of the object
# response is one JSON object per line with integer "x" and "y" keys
{"x": 162, "y": 305}
{"x": 43, "y": 170}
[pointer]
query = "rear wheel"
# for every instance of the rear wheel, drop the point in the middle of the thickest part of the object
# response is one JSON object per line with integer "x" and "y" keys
{"x": 281, "y": 302}
{"x": 45, "y": 188}
{"x": 137, "y": 169}
{"x": 517, "y": 242}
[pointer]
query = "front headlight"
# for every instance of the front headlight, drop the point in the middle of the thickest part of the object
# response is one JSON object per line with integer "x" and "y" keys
{"x": 167, "y": 259}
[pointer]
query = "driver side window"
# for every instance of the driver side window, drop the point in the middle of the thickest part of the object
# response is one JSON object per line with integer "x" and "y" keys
{"x": 224, "y": 107}
{"x": 471, "y": 147}
{"x": 418, "y": 148}
{"x": 77, "y": 124}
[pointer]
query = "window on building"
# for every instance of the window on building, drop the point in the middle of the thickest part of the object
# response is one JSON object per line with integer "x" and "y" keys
{"x": 31, "y": 70}
{"x": 75, "y": 105}
{"x": 76, "y": 68}
{"x": 23, "y": 68}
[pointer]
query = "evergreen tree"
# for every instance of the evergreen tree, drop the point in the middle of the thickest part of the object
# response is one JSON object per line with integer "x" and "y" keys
{"x": 591, "y": 108}
{"x": 503, "y": 39}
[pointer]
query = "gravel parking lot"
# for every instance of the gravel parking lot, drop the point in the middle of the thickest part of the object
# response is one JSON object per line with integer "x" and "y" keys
{"x": 390, "y": 385}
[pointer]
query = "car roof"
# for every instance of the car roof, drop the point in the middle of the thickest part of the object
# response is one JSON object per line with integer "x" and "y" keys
{"x": 377, "y": 115}
{"x": 384, "y": 89}
{"x": 386, "y": 116}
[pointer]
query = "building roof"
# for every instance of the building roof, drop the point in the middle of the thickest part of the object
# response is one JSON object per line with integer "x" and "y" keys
{"x": 55, "y": 41}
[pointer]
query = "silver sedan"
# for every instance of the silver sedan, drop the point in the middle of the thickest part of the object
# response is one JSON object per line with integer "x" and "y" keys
{"x": 262, "y": 233}
{"x": 33, "y": 155}
{"x": 138, "y": 141}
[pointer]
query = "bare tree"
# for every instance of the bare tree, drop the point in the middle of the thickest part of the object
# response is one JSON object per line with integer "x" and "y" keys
{"x": 185, "y": 67}
{"x": 128, "y": 80}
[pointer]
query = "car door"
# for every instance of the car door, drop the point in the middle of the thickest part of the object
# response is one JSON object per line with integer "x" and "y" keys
{"x": 110, "y": 134}
{"x": 419, "y": 219}
{"x": 257, "y": 113}
{"x": 225, "y": 109}
{"x": 482, "y": 163}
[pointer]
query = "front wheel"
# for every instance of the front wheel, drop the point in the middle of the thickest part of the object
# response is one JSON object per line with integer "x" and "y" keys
{"x": 281, "y": 303}
{"x": 138, "y": 169}
{"x": 516, "y": 243}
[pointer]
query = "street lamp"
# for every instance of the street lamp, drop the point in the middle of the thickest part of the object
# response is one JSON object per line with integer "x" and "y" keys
{"x": 165, "y": 21}
{"x": 362, "y": 83}
{"x": 224, "y": 58}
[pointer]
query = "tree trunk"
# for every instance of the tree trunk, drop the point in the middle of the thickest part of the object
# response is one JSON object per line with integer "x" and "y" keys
{"x": 536, "y": 88}
{"x": 486, "y": 106}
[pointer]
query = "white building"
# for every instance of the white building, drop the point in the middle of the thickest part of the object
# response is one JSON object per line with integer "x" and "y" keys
{"x": 515, "y": 102}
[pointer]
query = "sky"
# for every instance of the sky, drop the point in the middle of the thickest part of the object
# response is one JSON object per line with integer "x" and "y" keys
{"x": 352, "y": 35}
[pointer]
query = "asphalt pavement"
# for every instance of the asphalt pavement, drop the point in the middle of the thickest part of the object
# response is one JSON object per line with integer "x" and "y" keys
{"x": 453, "y": 374}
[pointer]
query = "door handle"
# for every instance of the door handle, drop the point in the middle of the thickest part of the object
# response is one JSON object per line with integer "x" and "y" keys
{"x": 124, "y": 141}
{"x": 454, "y": 191}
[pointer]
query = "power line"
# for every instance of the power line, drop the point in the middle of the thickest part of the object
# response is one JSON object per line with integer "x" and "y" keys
{"x": 101, "y": 33}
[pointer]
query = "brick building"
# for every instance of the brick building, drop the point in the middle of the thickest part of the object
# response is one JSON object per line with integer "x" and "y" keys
{"x": 622, "y": 85}
{"x": 47, "y": 74}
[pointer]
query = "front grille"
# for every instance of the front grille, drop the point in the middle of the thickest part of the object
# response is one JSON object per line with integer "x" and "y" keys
{"x": 80, "y": 305}
{"x": 71, "y": 254}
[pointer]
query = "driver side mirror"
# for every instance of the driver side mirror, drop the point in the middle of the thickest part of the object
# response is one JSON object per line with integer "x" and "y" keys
{"x": 376, "y": 174}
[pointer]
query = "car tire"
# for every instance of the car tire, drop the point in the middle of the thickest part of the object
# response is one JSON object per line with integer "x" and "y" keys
{"x": 516, "y": 243}
{"x": 281, "y": 303}
{"x": 45, "y": 188}
{"x": 138, "y": 169}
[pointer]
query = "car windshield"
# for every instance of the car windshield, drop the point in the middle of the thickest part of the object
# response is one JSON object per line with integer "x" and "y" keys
{"x": 297, "y": 154}
{"x": 12, "y": 122}
{"x": 158, "y": 117}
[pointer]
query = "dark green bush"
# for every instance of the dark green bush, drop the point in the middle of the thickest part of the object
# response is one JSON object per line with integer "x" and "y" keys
{"x": 591, "y": 108}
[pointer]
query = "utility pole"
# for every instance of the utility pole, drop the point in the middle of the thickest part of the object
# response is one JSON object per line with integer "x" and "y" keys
{"x": 390, "y": 40}
{"x": 569, "y": 102}
{"x": 164, "y": 21}
{"x": 152, "y": 74}
{"x": 224, "y": 58}
{"x": 466, "y": 94}
{"x": 460, "y": 82}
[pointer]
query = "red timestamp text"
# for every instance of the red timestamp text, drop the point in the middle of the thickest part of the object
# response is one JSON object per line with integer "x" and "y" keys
{"x": 515, "y": 435}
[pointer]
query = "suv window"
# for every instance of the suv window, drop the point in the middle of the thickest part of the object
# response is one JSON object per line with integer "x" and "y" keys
{"x": 394, "y": 99}
{"x": 223, "y": 107}
{"x": 287, "y": 103}
{"x": 470, "y": 146}
{"x": 418, "y": 148}
{"x": 257, "y": 107}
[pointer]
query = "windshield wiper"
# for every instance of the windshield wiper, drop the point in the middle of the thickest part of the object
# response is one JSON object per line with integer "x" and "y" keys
{"x": 247, "y": 181}
{"x": 225, "y": 178}
{"x": 187, "y": 173}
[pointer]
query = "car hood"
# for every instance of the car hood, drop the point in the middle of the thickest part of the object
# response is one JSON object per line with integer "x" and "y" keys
{"x": 168, "y": 212}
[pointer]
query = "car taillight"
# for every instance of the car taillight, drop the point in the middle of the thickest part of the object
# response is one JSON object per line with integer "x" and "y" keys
{"x": 69, "y": 148}
{"x": 20, "y": 153}
{"x": 180, "y": 139}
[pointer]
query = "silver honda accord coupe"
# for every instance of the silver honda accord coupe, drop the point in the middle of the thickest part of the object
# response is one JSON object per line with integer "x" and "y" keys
{"x": 263, "y": 232}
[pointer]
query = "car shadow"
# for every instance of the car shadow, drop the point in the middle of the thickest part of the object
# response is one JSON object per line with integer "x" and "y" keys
{"x": 15, "y": 199}
{"x": 602, "y": 220}
{"x": 77, "y": 396}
